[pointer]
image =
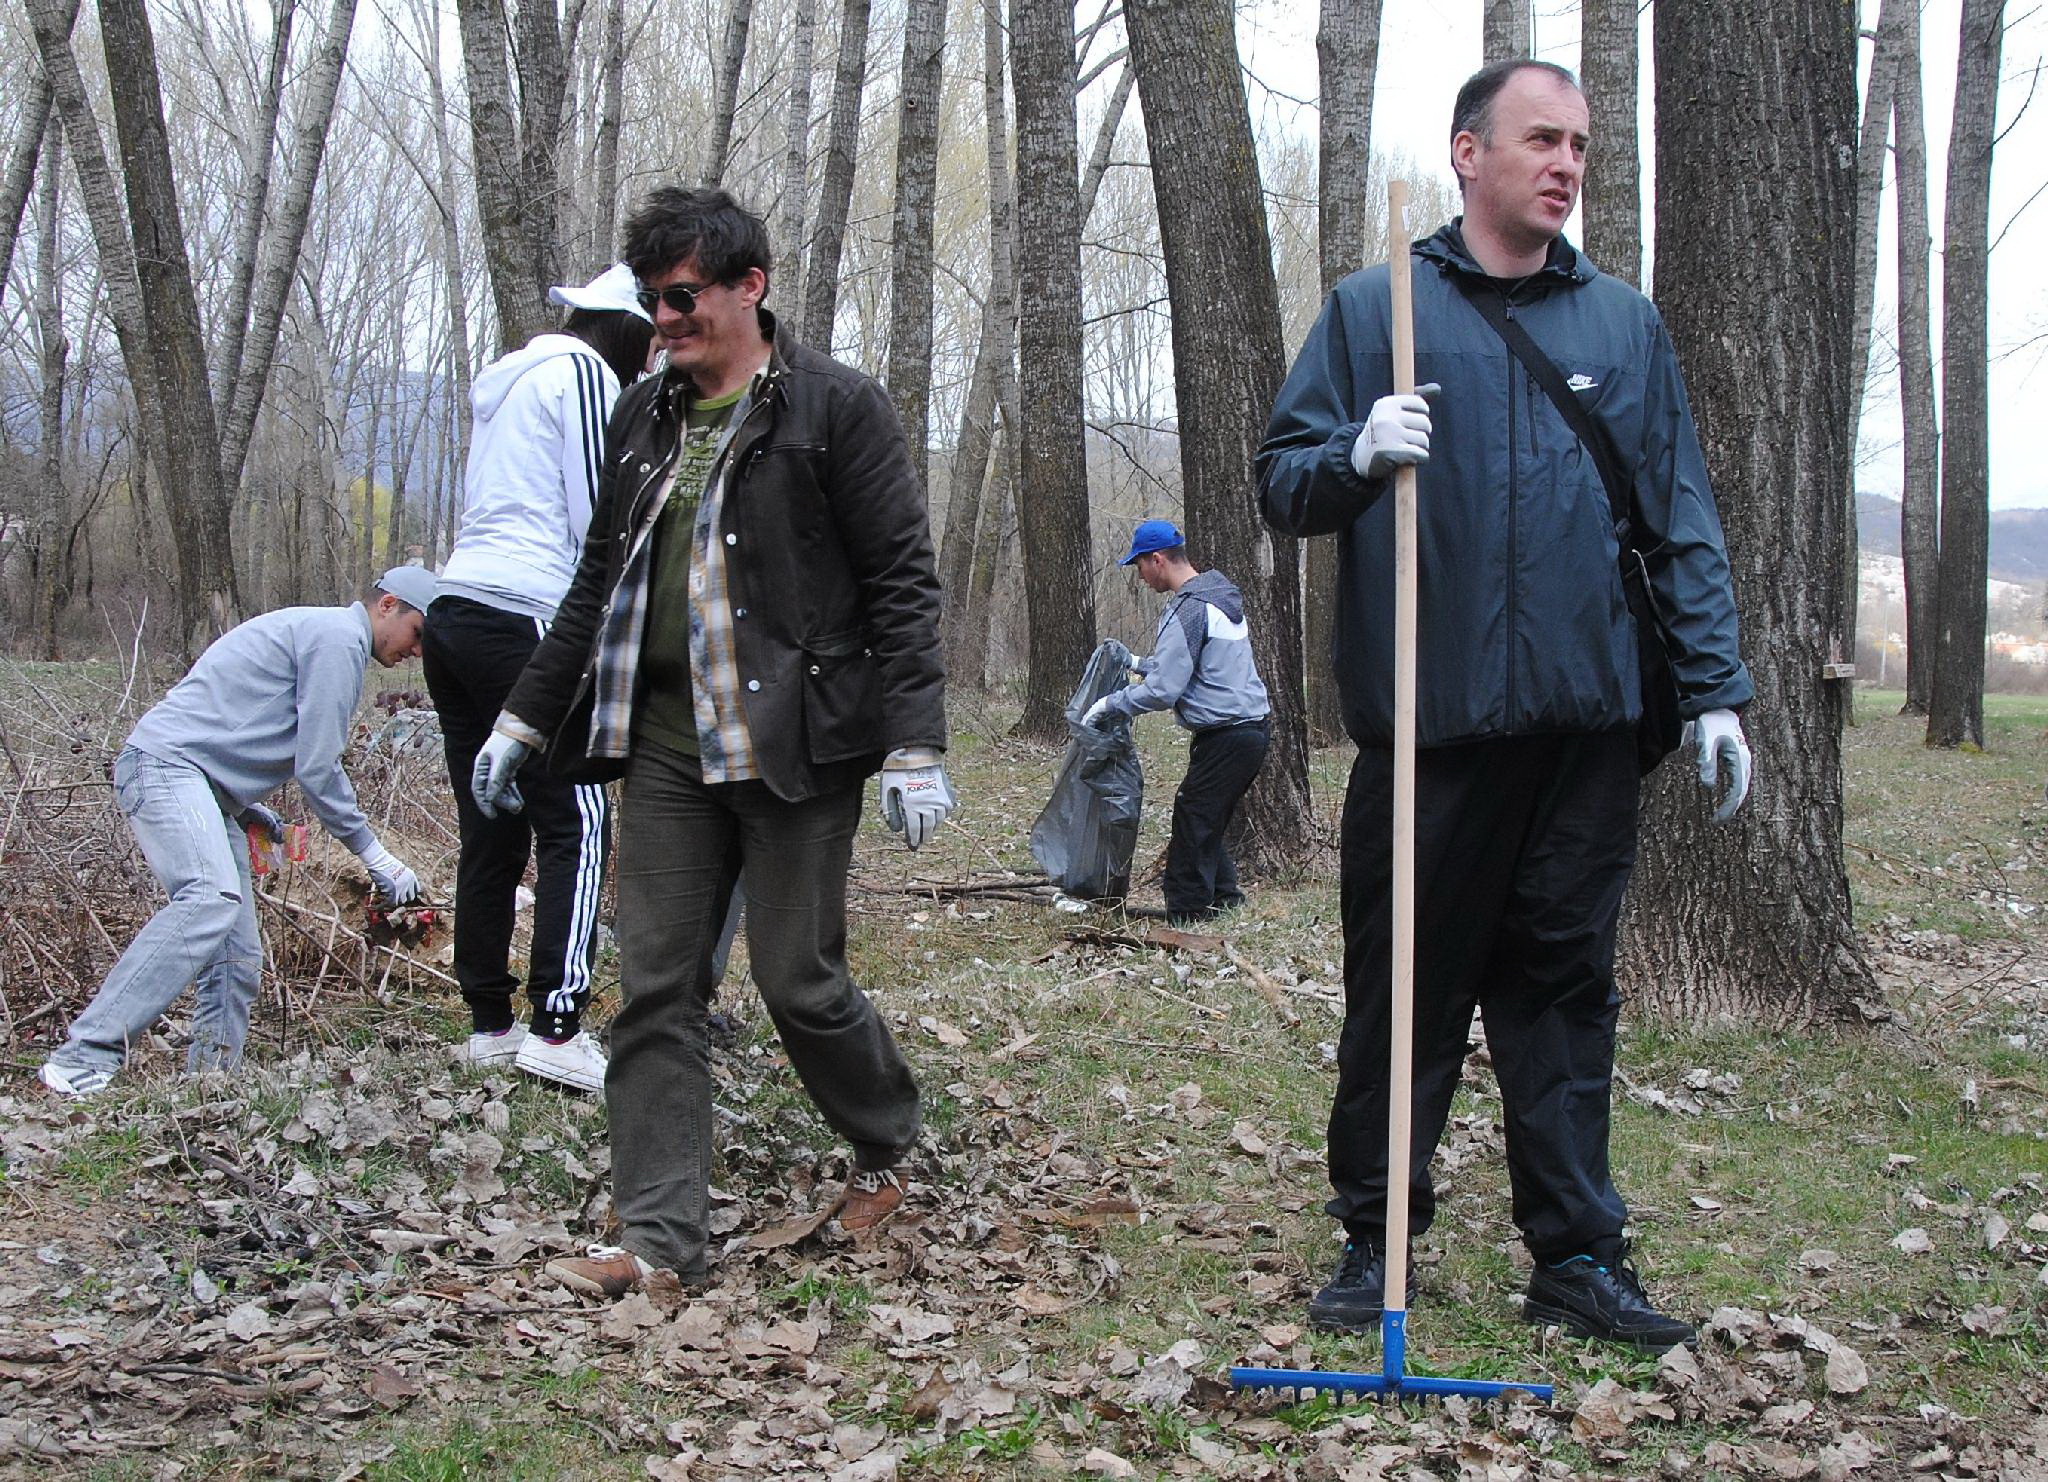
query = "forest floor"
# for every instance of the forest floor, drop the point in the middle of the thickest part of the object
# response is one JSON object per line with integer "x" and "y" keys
{"x": 327, "y": 1264}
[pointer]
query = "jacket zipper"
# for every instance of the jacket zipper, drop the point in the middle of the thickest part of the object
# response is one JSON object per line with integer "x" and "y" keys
{"x": 1514, "y": 522}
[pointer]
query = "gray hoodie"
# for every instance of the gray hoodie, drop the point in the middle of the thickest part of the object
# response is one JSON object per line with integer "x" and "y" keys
{"x": 1201, "y": 661}
{"x": 269, "y": 701}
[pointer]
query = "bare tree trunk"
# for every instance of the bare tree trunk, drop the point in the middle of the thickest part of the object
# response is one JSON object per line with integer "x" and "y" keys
{"x": 1919, "y": 499}
{"x": 611, "y": 109}
{"x": 994, "y": 355}
{"x": 731, "y": 59}
{"x": 258, "y": 150}
{"x": 1347, "y": 56}
{"x": 995, "y": 524}
{"x": 1506, "y": 30}
{"x": 1751, "y": 921}
{"x": 540, "y": 57}
{"x": 796, "y": 158}
{"x": 21, "y": 168}
{"x": 1052, "y": 495}
{"x": 451, "y": 246}
{"x": 366, "y": 567}
{"x": 835, "y": 192}
{"x": 55, "y": 352}
{"x": 1227, "y": 365}
{"x": 1871, "y": 146}
{"x": 190, "y": 453}
{"x": 1105, "y": 141}
{"x": 1610, "y": 67}
{"x": 517, "y": 213}
{"x": 910, "y": 248}
{"x": 287, "y": 235}
{"x": 1955, "y": 713}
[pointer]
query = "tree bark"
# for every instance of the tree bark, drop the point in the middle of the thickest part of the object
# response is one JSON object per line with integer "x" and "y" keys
{"x": 189, "y": 455}
{"x": 54, "y": 353}
{"x": 516, "y": 207}
{"x": 1610, "y": 68}
{"x": 1347, "y": 57}
{"x": 731, "y": 58}
{"x": 1105, "y": 141}
{"x": 21, "y": 168}
{"x": 287, "y": 235}
{"x": 1919, "y": 499}
{"x": 1227, "y": 366}
{"x": 540, "y": 57}
{"x": 910, "y": 248}
{"x": 1052, "y": 494}
{"x": 451, "y": 247}
{"x": 835, "y": 192}
{"x": 611, "y": 110}
{"x": 1955, "y": 712}
{"x": 1751, "y": 921}
{"x": 994, "y": 530}
{"x": 994, "y": 356}
{"x": 1506, "y": 30}
{"x": 258, "y": 150}
{"x": 796, "y": 158}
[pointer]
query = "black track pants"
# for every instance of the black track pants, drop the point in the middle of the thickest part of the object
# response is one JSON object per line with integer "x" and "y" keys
{"x": 1223, "y": 762}
{"x": 472, "y": 655}
{"x": 1523, "y": 848}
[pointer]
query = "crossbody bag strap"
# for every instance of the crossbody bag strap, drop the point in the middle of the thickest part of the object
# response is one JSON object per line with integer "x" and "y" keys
{"x": 1493, "y": 308}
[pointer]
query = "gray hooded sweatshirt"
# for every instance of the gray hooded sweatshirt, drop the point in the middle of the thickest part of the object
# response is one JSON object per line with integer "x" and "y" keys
{"x": 1201, "y": 661}
{"x": 269, "y": 701}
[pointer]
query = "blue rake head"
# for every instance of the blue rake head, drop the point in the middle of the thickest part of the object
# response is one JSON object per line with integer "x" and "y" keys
{"x": 1393, "y": 1382}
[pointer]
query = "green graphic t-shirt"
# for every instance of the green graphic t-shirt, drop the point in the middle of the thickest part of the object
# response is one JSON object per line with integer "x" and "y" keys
{"x": 665, "y": 713}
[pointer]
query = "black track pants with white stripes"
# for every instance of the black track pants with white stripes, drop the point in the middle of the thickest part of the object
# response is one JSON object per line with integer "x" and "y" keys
{"x": 472, "y": 655}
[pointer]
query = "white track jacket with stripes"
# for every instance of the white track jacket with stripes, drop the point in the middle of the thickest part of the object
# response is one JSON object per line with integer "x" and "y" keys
{"x": 536, "y": 444}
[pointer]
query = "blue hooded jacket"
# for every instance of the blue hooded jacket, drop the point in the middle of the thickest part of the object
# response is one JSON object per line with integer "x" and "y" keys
{"x": 1523, "y": 628}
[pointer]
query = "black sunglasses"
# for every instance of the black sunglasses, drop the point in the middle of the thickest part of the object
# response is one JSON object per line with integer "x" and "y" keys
{"x": 678, "y": 297}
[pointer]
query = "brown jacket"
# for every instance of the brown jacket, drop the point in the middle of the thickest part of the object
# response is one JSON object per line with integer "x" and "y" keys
{"x": 829, "y": 557}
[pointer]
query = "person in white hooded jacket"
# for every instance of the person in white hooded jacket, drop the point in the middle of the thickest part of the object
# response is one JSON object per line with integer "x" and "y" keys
{"x": 536, "y": 445}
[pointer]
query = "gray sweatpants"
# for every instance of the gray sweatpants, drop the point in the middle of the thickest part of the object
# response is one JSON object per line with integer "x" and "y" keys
{"x": 682, "y": 843}
{"x": 206, "y": 935}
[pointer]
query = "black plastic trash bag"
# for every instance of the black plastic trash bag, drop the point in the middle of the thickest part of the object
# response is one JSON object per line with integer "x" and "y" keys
{"x": 1085, "y": 837}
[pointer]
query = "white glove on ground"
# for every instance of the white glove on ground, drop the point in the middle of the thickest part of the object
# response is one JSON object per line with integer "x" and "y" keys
{"x": 1396, "y": 432}
{"x": 1718, "y": 735}
{"x": 915, "y": 795}
{"x": 396, "y": 885}
{"x": 490, "y": 780}
{"x": 1096, "y": 715}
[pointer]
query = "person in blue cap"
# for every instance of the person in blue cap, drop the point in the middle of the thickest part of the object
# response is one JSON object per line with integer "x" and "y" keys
{"x": 1201, "y": 666}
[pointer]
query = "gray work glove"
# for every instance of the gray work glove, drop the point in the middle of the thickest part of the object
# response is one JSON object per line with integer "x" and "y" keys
{"x": 915, "y": 795}
{"x": 1719, "y": 739}
{"x": 491, "y": 780}
{"x": 1396, "y": 432}
{"x": 396, "y": 884}
{"x": 260, "y": 819}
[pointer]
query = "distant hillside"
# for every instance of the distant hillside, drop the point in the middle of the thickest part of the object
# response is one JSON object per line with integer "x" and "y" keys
{"x": 2019, "y": 537}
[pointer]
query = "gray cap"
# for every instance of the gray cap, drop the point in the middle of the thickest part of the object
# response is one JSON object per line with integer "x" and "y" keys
{"x": 413, "y": 585}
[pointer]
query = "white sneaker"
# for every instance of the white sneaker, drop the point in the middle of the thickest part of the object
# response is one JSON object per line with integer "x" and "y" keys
{"x": 76, "y": 1084}
{"x": 494, "y": 1049}
{"x": 576, "y": 1062}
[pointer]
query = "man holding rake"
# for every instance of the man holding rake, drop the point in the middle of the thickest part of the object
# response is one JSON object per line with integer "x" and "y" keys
{"x": 1529, "y": 699}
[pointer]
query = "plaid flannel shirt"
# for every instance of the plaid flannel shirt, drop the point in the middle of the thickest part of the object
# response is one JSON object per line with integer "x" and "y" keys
{"x": 726, "y": 746}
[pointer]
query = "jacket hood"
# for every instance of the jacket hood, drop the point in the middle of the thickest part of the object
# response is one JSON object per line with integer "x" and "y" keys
{"x": 495, "y": 381}
{"x": 1214, "y": 588}
{"x": 1446, "y": 248}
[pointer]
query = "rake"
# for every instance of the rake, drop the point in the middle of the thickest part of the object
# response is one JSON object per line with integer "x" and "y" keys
{"x": 1394, "y": 1380}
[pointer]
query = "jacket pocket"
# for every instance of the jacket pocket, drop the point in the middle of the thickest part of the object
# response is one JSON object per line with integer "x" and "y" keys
{"x": 842, "y": 692}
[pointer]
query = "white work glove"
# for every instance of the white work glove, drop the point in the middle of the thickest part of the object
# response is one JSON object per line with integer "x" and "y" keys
{"x": 1396, "y": 432}
{"x": 498, "y": 761}
{"x": 1097, "y": 715}
{"x": 915, "y": 795}
{"x": 1718, "y": 735}
{"x": 396, "y": 885}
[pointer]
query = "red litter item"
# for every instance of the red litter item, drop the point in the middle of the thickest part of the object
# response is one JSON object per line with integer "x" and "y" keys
{"x": 262, "y": 852}
{"x": 295, "y": 842}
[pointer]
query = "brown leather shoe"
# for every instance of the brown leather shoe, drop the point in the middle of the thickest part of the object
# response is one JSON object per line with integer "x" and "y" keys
{"x": 871, "y": 1196}
{"x": 603, "y": 1271}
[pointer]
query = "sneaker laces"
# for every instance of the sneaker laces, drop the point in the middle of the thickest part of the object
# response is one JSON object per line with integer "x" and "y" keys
{"x": 871, "y": 1180}
{"x": 1353, "y": 1264}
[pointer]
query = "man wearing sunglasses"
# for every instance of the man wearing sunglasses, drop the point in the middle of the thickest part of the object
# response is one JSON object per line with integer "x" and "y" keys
{"x": 752, "y": 633}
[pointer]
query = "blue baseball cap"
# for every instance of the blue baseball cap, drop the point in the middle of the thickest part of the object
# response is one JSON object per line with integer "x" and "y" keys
{"x": 1153, "y": 535}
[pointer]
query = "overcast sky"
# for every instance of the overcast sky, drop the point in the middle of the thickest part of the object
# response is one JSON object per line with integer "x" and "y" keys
{"x": 1428, "y": 47}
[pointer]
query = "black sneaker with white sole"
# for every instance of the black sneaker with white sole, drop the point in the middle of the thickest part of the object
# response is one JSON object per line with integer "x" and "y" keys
{"x": 1590, "y": 1300}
